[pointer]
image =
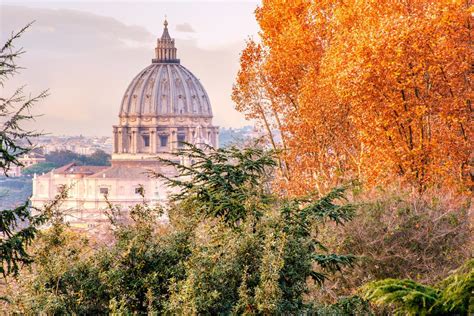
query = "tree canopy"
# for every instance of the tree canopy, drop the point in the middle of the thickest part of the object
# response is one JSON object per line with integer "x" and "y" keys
{"x": 232, "y": 246}
{"x": 370, "y": 90}
{"x": 18, "y": 227}
{"x": 63, "y": 157}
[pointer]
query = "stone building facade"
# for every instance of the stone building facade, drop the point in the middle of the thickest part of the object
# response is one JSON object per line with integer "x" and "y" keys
{"x": 164, "y": 106}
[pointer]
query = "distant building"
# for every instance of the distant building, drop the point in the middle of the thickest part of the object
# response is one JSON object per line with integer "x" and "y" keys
{"x": 164, "y": 106}
{"x": 79, "y": 144}
{"x": 26, "y": 161}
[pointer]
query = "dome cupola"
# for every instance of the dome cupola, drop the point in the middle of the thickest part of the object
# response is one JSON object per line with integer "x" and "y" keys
{"x": 165, "y": 51}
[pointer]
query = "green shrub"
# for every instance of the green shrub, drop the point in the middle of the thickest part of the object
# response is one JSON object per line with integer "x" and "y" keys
{"x": 451, "y": 296}
{"x": 352, "y": 305}
{"x": 42, "y": 167}
{"x": 232, "y": 247}
{"x": 401, "y": 235}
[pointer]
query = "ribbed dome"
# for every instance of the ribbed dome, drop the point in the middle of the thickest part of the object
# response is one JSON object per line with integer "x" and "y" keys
{"x": 165, "y": 89}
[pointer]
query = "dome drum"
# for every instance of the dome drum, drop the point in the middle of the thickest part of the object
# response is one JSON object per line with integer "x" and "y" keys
{"x": 162, "y": 139}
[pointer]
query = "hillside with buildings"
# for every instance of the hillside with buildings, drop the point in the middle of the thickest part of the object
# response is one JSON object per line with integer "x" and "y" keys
{"x": 56, "y": 151}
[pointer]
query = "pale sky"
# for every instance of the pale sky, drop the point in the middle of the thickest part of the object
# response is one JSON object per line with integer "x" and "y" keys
{"x": 87, "y": 52}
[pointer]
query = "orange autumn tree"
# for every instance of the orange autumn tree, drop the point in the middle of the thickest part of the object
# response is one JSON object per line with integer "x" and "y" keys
{"x": 268, "y": 82}
{"x": 374, "y": 90}
{"x": 257, "y": 102}
{"x": 292, "y": 45}
{"x": 406, "y": 71}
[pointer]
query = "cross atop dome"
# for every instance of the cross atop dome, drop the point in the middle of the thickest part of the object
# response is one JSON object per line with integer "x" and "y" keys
{"x": 165, "y": 51}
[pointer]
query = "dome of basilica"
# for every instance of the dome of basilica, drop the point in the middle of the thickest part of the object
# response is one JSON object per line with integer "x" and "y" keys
{"x": 164, "y": 107}
{"x": 165, "y": 88}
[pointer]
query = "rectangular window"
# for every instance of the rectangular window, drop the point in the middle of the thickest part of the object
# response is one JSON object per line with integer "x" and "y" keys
{"x": 146, "y": 140}
{"x": 104, "y": 191}
{"x": 181, "y": 139}
{"x": 163, "y": 140}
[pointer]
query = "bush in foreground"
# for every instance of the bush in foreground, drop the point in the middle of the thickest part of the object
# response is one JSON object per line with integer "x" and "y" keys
{"x": 452, "y": 296}
{"x": 232, "y": 247}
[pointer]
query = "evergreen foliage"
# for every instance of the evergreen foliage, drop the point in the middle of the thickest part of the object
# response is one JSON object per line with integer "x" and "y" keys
{"x": 451, "y": 296}
{"x": 253, "y": 251}
{"x": 221, "y": 183}
{"x": 138, "y": 269}
{"x": 353, "y": 305}
{"x": 63, "y": 157}
{"x": 231, "y": 247}
{"x": 15, "y": 141}
{"x": 39, "y": 168}
{"x": 18, "y": 227}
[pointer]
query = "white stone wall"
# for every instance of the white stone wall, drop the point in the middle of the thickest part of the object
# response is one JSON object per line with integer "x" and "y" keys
{"x": 85, "y": 204}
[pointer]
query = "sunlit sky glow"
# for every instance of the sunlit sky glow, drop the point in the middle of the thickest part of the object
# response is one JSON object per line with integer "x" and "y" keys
{"x": 86, "y": 53}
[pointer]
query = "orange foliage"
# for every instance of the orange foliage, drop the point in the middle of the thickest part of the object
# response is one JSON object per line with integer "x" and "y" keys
{"x": 373, "y": 90}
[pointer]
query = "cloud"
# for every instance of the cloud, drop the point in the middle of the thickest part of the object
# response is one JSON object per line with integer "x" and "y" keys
{"x": 88, "y": 60}
{"x": 69, "y": 29}
{"x": 184, "y": 28}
